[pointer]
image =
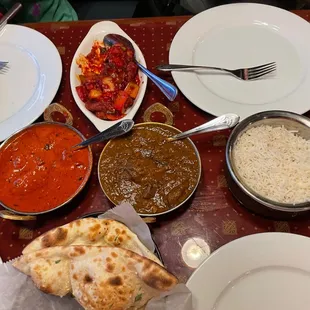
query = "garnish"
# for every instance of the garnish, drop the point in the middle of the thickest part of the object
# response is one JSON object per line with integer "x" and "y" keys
{"x": 138, "y": 297}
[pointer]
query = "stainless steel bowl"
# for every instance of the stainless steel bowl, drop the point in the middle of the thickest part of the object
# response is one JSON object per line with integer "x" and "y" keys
{"x": 174, "y": 208}
{"x": 240, "y": 190}
{"x": 12, "y": 137}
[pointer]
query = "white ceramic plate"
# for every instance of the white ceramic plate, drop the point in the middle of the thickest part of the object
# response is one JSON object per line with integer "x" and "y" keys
{"x": 32, "y": 80}
{"x": 97, "y": 32}
{"x": 244, "y": 35}
{"x": 269, "y": 271}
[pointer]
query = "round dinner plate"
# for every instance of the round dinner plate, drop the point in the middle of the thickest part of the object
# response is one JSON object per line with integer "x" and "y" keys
{"x": 263, "y": 271}
{"x": 32, "y": 79}
{"x": 241, "y": 36}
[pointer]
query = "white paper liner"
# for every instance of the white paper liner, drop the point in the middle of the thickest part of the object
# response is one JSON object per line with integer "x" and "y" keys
{"x": 180, "y": 298}
{"x": 17, "y": 290}
{"x": 127, "y": 215}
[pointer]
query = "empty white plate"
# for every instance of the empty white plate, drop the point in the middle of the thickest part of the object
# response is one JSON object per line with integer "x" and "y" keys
{"x": 259, "y": 272}
{"x": 240, "y": 36}
{"x": 32, "y": 79}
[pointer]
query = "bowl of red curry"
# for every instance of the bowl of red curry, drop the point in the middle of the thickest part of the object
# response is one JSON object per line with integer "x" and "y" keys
{"x": 39, "y": 169}
{"x": 144, "y": 169}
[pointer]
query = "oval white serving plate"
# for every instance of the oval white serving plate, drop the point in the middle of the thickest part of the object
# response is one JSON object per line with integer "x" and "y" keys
{"x": 97, "y": 32}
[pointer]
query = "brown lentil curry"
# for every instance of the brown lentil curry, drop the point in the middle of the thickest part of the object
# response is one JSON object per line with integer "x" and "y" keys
{"x": 145, "y": 170}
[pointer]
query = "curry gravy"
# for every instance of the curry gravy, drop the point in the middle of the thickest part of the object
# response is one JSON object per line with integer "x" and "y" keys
{"x": 151, "y": 174}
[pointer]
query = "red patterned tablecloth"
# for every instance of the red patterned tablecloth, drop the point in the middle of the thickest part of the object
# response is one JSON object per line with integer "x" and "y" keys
{"x": 211, "y": 219}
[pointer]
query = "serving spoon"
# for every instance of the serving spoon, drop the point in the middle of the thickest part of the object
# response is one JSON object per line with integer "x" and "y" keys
{"x": 169, "y": 90}
{"x": 114, "y": 131}
{"x": 222, "y": 122}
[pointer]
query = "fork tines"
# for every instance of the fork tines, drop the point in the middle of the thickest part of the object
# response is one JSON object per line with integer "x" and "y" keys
{"x": 4, "y": 66}
{"x": 260, "y": 71}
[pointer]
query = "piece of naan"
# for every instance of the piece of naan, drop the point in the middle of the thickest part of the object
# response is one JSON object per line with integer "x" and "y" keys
{"x": 89, "y": 231}
{"x": 100, "y": 277}
{"x": 92, "y": 231}
{"x": 49, "y": 269}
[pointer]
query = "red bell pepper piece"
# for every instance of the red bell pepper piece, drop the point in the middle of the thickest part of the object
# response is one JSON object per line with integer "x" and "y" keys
{"x": 119, "y": 103}
{"x": 81, "y": 92}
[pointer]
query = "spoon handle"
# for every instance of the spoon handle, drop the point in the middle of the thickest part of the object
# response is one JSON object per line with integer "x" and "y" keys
{"x": 10, "y": 14}
{"x": 114, "y": 131}
{"x": 222, "y": 122}
{"x": 169, "y": 90}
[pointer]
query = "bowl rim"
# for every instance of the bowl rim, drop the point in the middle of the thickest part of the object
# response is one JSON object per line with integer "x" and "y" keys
{"x": 180, "y": 204}
{"x": 80, "y": 188}
{"x": 239, "y": 129}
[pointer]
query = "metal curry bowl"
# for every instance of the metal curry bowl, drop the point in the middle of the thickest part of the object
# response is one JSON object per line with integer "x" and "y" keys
{"x": 245, "y": 195}
{"x": 87, "y": 175}
{"x": 173, "y": 208}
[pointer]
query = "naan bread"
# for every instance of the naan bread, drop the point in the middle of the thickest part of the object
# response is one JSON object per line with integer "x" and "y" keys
{"x": 91, "y": 231}
{"x": 49, "y": 270}
{"x": 101, "y": 278}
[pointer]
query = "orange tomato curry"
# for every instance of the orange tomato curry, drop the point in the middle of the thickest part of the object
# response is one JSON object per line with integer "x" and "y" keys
{"x": 38, "y": 169}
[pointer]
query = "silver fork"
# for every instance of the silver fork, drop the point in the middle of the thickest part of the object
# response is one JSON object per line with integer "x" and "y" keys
{"x": 246, "y": 74}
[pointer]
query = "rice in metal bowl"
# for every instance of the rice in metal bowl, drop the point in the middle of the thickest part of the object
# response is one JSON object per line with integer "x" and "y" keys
{"x": 274, "y": 162}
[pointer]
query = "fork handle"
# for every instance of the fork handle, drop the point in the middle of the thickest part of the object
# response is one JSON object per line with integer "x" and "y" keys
{"x": 10, "y": 14}
{"x": 174, "y": 67}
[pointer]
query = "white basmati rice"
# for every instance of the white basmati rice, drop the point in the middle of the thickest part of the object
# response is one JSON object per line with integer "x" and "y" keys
{"x": 274, "y": 163}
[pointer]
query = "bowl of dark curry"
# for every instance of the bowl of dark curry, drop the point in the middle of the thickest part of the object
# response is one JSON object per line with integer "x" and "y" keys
{"x": 39, "y": 169}
{"x": 144, "y": 169}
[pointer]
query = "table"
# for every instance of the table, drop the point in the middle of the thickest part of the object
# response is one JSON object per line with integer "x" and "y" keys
{"x": 209, "y": 220}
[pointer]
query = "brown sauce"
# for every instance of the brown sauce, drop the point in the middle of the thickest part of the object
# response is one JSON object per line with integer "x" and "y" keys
{"x": 151, "y": 174}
